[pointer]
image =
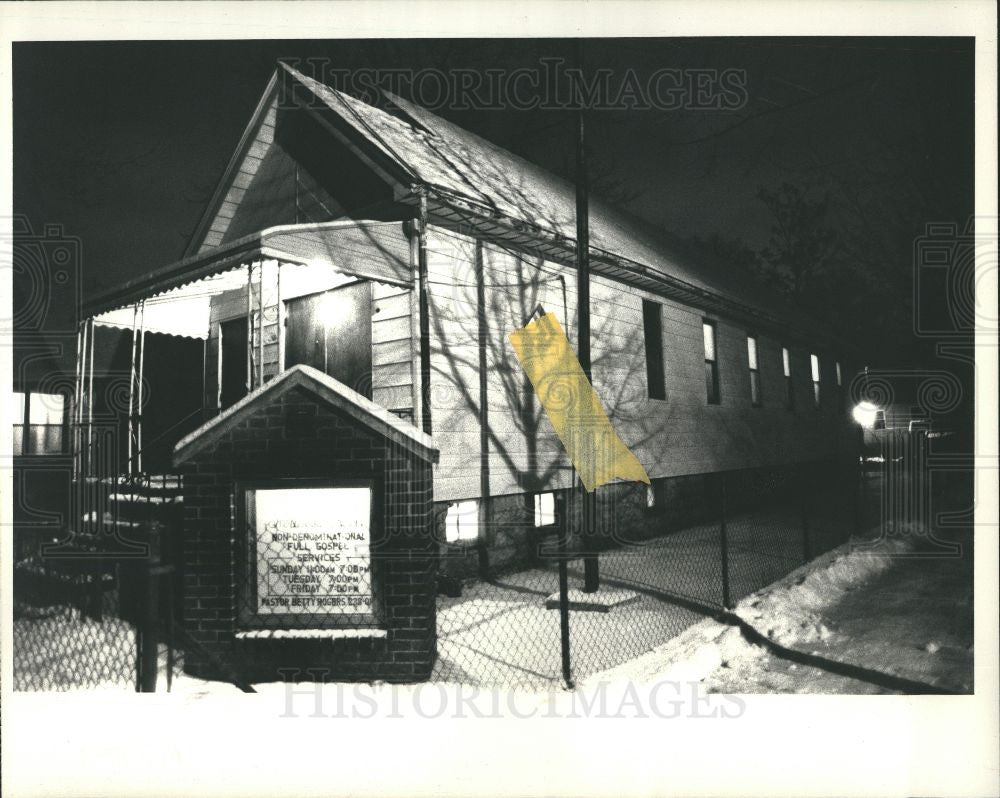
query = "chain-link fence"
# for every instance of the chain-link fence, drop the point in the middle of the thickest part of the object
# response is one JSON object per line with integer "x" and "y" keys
{"x": 89, "y": 623}
{"x": 97, "y": 609}
{"x": 666, "y": 557}
{"x": 660, "y": 570}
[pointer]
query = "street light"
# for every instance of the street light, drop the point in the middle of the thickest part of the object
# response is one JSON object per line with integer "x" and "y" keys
{"x": 865, "y": 413}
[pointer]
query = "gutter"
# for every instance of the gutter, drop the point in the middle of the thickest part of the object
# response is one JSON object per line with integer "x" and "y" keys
{"x": 603, "y": 261}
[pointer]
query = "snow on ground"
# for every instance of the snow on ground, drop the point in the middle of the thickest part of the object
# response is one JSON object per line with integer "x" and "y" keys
{"x": 499, "y": 633}
{"x": 885, "y": 606}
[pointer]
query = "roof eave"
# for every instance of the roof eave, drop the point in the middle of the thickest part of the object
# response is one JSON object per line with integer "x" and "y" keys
{"x": 365, "y": 411}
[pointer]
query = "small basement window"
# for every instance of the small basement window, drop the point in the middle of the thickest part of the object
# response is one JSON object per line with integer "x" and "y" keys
{"x": 462, "y": 521}
{"x": 545, "y": 509}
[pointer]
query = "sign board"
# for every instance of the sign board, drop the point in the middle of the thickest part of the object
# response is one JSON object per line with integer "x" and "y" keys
{"x": 312, "y": 550}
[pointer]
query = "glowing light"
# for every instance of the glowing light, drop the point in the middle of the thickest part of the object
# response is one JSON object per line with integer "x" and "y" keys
{"x": 865, "y": 414}
{"x": 335, "y": 308}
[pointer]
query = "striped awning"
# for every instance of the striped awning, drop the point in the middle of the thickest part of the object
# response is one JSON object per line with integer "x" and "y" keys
{"x": 377, "y": 251}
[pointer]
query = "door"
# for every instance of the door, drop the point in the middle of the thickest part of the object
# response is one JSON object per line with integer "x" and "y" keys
{"x": 233, "y": 350}
{"x": 332, "y": 332}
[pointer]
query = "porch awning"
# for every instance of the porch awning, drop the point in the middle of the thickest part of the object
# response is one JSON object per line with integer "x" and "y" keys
{"x": 369, "y": 250}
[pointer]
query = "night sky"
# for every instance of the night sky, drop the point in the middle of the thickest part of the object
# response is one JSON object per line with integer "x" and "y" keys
{"x": 122, "y": 143}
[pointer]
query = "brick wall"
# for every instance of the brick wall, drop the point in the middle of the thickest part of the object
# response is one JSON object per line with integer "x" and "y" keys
{"x": 299, "y": 435}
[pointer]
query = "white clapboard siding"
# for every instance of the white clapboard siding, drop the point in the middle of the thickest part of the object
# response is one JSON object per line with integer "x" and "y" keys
{"x": 682, "y": 434}
{"x": 393, "y": 347}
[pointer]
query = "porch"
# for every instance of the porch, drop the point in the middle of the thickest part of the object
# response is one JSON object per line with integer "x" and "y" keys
{"x": 160, "y": 356}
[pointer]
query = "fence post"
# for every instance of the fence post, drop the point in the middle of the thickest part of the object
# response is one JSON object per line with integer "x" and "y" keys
{"x": 806, "y": 488}
{"x": 148, "y": 638}
{"x": 564, "y": 601}
{"x": 724, "y": 541}
{"x": 168, "y": 586}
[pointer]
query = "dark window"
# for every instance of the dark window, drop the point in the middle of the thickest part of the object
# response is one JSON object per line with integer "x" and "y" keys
{"x": 711, "y": 363}
{"x": 814, "y": 363}
{"x": 233, "y": 348}
{"x": 332, "y": 332}
{"x": 754, "y": 370}
{"x": 786, "y": 366}
{"x": 652, "y": 323}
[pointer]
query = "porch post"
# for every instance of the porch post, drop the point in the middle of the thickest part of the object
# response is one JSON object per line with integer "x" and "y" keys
{"x": 131, "y": 389}
{"x": 260, "y": 323}
{"x": 90, "y": 400}
{"x": 138, "y": 404}
{"x": 77, "y": 402}
{"x": 281, "y": 317}
{"x": 249, "y": 382}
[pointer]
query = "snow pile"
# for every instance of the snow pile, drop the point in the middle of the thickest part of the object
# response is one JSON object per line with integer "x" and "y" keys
{"x": 791, "y": 610}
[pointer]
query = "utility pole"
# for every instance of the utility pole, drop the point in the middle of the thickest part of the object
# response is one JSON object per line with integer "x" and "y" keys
{"x": 591, "y": 578}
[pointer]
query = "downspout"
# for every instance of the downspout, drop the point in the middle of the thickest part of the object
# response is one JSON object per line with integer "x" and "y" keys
{"x": 425, "y": 328}
{"x": 482, "y": 541}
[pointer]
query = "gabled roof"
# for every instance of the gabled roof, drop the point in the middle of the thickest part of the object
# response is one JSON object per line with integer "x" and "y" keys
{"x": 476, "y": 184}
{"x": 324, "y": 388}
{"x": 460, "y": 164}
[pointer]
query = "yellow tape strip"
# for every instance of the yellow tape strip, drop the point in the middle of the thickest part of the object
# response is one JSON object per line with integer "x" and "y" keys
{"x": 573, "y": 406}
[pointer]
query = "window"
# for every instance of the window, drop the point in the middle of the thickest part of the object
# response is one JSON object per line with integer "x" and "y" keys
{"x": 840, "y": 379}
{"x": 814, "y": 362}
{"x": 650, "y": 497}
{"x": 711, "y": 363}
{"x": 652, "y": 323}
{"x": 462, "y": 521}
{"x": 545, "y": 509}
{"x": 786, "y": 366}
{"x": 40, "y": 430}
{"x": 754, "y": 370}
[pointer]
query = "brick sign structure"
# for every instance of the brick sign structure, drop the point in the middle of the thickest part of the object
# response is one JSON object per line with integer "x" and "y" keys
{"x": 308, "y": 541}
